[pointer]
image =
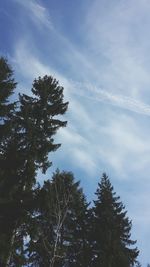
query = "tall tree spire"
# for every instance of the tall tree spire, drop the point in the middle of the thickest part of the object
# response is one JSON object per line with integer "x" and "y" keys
{"x": 26, "y": 149}
{"x": 112, "y": 229}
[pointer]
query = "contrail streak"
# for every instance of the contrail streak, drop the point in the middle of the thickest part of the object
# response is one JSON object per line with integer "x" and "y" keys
{"x": 98, "y": 94}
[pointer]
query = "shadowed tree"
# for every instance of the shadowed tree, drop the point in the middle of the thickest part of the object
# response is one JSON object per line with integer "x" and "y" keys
{"x": 7, "y": 87}
{"x": 112, "y": 246}
{"x": 35, "y": 123}
{"x": 59, "y": 231}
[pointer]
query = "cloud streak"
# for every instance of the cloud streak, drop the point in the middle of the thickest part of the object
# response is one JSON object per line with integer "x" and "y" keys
{"x": 121, "y": 29}
{"x": 32, "y": 67}
{"x": 38, "y": 13}
{"x": 97, "y": 94}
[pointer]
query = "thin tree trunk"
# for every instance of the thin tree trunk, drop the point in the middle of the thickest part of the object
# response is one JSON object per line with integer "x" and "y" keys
{"x": 9, "y": 254}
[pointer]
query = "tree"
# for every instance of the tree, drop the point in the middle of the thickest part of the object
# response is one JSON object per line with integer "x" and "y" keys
{"x": 111, "y": 236}
{"x": 7, "y": 87}
{"x": 34, "y": 124}
{"x": 59, "y": 231}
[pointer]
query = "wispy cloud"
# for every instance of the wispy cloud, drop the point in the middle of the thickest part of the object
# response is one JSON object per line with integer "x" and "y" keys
{"x": 97, "y": 94}
{"x": 76, "y": 149}
{"x": 37, "y": 12}
{"x": 121, "y": 28}
{"x": 31, "y": 67}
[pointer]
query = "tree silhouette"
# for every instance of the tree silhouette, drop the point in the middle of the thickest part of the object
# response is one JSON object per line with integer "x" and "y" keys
{"x": 111, "y": 235}
{"x": 25, "y": 149}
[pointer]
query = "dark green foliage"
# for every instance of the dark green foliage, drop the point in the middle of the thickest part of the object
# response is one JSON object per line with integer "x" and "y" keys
{"x": 59, "y": 229}
{"x": 38, "y": 119}
{"x": 31, "y": 139}
{"x": 63, "y": 232}
{"x": 7, "y": 86}
{"x": 26, "y": 139}
{"x": 111, "y": 242}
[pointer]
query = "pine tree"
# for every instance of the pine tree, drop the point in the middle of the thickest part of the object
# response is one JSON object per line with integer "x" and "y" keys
{"x": 7, "y": 108}
{"x": 78, "y": 225}
{"x": 111, "y": 236}
{"x": 34, "y": 124}
{"x": 59, "y": 231}
{"x": 7, "y": 86}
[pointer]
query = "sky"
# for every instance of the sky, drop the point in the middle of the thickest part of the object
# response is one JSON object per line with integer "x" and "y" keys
{"x": 99, "y": 52}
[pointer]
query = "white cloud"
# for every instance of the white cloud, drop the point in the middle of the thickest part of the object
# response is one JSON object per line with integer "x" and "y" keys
{"x": 117, "y": 31}
{"x": 31, "y": 67}
{"x": 126, "y": 145}
{"x": 97, "y": 94}
{"x": 76, "y": 149}
{"x": 84, "y": 160}
{"x": 28, "y": 65}
{"x": 37, "y": 12}
{"x": 71, "y": 137}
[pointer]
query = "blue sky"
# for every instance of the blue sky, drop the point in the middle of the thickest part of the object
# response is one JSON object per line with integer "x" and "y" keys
{"x": 99, "y": 51}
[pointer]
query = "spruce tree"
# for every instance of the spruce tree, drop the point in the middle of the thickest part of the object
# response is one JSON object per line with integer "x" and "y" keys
{"x": 112, "y": 246}
{"x": 59, "y": 231}
{"x": 7, "y": 87}
{"x": 7, "y": 109}
{"x": 34, "y": 123}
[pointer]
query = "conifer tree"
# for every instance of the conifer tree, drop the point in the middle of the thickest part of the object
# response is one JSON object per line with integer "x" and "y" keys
{"x": 7, "y": 86}
{"x": 59, "y": 237}
{"x": 7, "y": 108}
{"x": 34, "y": 123}
{"x": 112, "y": 246}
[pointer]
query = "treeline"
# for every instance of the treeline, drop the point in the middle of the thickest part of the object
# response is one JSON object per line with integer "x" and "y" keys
{"x": 51, "y": 225}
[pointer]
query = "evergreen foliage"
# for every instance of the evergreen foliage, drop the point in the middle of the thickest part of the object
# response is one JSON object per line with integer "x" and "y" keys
{"x": 59, "y": 230}
{"x": 25, "y": 149}
{"x": 7, "y": 87}
{"x": 111, "y": 235}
